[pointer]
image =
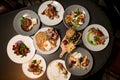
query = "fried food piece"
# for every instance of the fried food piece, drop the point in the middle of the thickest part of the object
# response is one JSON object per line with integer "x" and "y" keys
{"x": 85, "y": 61}
{"x": 68, "y": 19}
{"x": 62, "y": 68}
{"x": 70, "y": 32}
{"x": 72, "y": 61}
{"x": 70, "y": 47}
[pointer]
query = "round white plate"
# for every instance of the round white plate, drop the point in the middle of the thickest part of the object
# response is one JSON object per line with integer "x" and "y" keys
{"x": 46, "y": 52}
{"x": 29, "y": 43}
{"x": 96, "y": 47}
{"x": 81, "y": 9}
{"x": 45, "y": 19}
{"x": 53, "y": 72}
{"x": 25, "y": 67}
{"x": 27, "y": 13}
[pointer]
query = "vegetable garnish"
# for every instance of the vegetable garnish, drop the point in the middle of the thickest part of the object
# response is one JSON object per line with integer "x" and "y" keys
{"x": 75, "y": 18}
{"x": 20, "y": 48}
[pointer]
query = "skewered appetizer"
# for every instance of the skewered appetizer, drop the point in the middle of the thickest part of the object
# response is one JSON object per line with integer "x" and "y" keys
{"x": 69, "y": 41}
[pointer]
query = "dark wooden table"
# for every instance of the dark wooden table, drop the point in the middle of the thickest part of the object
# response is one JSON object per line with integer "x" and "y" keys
{"x": 12, "y": 71}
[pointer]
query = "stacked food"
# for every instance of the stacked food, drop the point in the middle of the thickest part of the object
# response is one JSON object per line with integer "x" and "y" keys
{"x": 69, "y": 41}
{"x": 27, "y": 23}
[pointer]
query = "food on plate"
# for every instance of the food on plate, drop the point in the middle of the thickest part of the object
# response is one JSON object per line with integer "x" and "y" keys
{"x": 75, "y": 18}
{"x": 57, "y": 70}
{"x": 34, "y": 66}
{"x": 27, "y": 23}
{"x": 78, "y": 60}
{"x": 51, "y": 12}
{"x": 69, "y": 41}
{"x": 47, "y": 40}
{"x": 96, "y": 37}
{"x": 20, "y": 48}
{"x": 62, "y": 68}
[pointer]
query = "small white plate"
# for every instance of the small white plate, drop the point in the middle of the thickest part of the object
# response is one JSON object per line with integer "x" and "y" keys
{"x": 29, "y": 43}
{"x": 53, "y": 72}
{"x": 46, "y": 52}
{"x": 25, "y": 67}
{"x": 45, "y": 19}
{"x": 96, "y": 47}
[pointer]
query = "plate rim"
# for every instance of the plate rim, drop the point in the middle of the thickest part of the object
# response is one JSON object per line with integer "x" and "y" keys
{"x": 93, "y": 48}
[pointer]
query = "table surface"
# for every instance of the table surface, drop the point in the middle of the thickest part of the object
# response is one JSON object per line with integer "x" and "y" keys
{"x": 12, "y": 71}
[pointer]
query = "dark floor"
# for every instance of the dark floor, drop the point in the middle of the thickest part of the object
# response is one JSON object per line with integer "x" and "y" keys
{"x": 111, "y": 71}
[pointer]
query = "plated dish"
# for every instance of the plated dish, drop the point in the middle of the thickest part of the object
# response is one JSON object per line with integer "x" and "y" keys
{"x": 51, "y": 13}
{"x": 46, "y": 40}
{"x": 57, "y": 70}
{"x": 69, "y": 41}
{"x": 76, "y": 16}
{"x": 79, "y": 62}
{"x": 20, "y": 49}
{"x": 26, "y": 22}
{"x": 95, "y": 37}
{"x": 34, "y": 68}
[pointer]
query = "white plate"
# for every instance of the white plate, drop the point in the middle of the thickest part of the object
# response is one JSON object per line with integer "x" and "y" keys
{"x": 96, "y": 47}
{"x": 45, "y": 19}
{"x": 53, "y": 72}
{"x": 29, "y": 43}
{"x": 46, "y": 52}
{"x": 25, "y": 67}
{"x": 27, "y": 13}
